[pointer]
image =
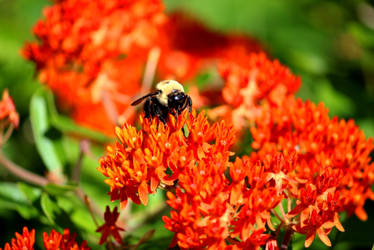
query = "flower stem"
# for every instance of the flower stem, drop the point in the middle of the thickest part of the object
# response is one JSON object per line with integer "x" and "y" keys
{"x": 7, "y": 135}
{"x": 150, "y": 69}
{"x": 286, "y": 238}
{"x": 22, "y": 173}
{"x": 88, "y": 204}
{"x": 84, "y": 147}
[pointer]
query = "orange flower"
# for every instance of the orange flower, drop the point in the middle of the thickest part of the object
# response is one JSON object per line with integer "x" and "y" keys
{"x": 110, "y": 227}
{"x": 213, "y": 206}
{"x": 51, "y": 242}
{"x": 333, "y": 173}
{"x": 248, "y": 83}
{"x": 66, "y": 241}
{"x": 156, "y": 155}
{"x": 86, "y": 46}
{"x": 202, "y": 214}
{"x": 24, "y": 241}
{"x": 8, "y": 113}
{"x": 92, "y": 54}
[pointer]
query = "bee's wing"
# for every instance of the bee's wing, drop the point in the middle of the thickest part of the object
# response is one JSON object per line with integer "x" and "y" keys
{"x": 136, "y": 102}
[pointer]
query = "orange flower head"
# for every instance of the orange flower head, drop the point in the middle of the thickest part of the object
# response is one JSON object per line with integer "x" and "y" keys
{"x": 333, "y": 172}
{"x": 248, "y": 83}
{"x": 22, "y": 241}
{"x": 65, "y": 241}
{"x": 213, "y": 206}
{"x": 85, "y": 46}
{"x": 109, "y": 228}
{"x": 8, "y": 112}
{"x": 143, "y": 159}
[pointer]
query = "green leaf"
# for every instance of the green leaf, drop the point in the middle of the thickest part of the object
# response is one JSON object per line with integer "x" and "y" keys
{"x": 11, "y": 193}
{"x": 31, "y": 193}
{"x": 55, "y": 189}
{"x": 367, "y": 125}
{"x": 49, "y": 208}
{"x": 27, "y": 212}
{"x": 47, "y": 148}
{"x": 364, "y": 35}
{"x": 338, "y": 103}
{"x": 65, "y": 124}
{"x": 13, "y": 199}
{"x": 203, "y": 79}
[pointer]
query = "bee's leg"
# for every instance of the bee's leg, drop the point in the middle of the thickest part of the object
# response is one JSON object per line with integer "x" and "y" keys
{"x": 157, "y": 111}
{"x": 184, "y": 105}
{"x": 162, "y": 119}
{"x": 189, "y": 103}
{"x": 175, "y": 113}
{"x": 147, "y": 108}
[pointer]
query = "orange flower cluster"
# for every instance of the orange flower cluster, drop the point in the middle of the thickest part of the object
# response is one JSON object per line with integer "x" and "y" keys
{"x": 157, "y": 155}
{"x": 213, "y": 207}
{"x": 63, "y": 241}
{"x": 8, "y": 113}
{"x": 25, "y": 240}
{"x": 318, "y": 166}
{"x": 92, "y": 54}
{"x": 109, "y": 228}
{"x": 209, "y": 208}
{"x": 250, "y": 81}
{"x": 53, "y": 241}
{"x": 94, "y": 51}
{"x": 334, "y": 171}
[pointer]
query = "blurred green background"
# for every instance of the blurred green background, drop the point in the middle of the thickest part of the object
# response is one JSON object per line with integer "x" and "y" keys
{"x": 330, "y": 44}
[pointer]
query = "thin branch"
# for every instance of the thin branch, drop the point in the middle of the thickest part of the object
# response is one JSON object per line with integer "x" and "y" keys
{"x": 278, "y": 229}
{"x": 92, "y": 207}
{"x": 277, "y": 215}
{"x": 287, "y": 238}
{"x": 7, "y": 135}
{"x": 283, "y": 213}
{"x": 88, "y": 204}
{"x": 150, "y": 69}
{"x": 84, "y": 147}
{"x": 110, "y": 107}
{"x": 32, "y": 178}
{"x": 22, "y": 173}
{"x": 126, "y": 212}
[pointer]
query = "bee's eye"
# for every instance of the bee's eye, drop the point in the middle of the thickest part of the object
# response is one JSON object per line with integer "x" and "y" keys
{"x": 179, "y": 97}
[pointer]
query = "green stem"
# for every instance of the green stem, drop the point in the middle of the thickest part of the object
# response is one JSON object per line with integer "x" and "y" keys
{"x": 22, "y": 173}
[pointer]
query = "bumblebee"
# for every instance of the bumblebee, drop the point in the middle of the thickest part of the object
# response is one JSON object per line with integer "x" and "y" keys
{"x": 169, "y": 98}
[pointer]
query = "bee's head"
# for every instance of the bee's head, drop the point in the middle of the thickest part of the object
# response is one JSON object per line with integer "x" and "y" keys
{"x": 168, "y": 86}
